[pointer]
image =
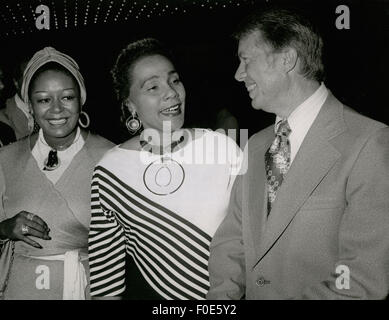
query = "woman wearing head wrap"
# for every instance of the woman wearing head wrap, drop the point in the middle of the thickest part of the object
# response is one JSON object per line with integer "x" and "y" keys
{"x": 45, "y": 187}
{"x": 159, "y": 197}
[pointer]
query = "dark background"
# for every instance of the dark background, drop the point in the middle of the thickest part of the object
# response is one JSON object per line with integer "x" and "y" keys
{"x": 199, "y": 31}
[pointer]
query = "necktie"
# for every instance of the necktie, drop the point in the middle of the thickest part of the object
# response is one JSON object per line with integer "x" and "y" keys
{"x": 52, "y": 161}
{"x": 277, "y": 161}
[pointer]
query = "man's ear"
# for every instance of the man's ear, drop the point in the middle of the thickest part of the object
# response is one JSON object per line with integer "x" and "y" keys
{"x": 289, "y": 59}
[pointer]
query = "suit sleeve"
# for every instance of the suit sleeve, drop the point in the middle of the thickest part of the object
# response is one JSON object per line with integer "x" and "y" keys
{"x": 106, "y": 244}
{"x": 226, "y": 263}
{"x": 364, "y": 229}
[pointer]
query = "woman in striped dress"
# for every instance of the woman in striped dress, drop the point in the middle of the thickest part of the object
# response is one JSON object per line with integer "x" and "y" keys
{"x": 158, "y": 198}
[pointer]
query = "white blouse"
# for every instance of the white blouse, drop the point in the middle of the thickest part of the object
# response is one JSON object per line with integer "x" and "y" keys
{"x": 41, "y": 151}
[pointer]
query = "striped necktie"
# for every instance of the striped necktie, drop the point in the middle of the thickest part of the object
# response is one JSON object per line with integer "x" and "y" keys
{"x": 277, "y": 161}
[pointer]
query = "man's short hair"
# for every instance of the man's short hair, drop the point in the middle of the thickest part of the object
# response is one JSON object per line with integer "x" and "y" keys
{"x": 281, "y": 28}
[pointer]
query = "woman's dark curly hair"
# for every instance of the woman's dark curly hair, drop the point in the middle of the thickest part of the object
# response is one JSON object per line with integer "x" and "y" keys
{"x": 125, "y": 62}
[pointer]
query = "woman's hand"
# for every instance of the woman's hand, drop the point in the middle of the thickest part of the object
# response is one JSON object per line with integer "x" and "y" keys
{"x": 23, "y": 225}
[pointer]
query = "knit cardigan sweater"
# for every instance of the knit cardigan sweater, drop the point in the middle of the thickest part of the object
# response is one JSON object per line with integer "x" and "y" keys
{"x": 65, "y": 206}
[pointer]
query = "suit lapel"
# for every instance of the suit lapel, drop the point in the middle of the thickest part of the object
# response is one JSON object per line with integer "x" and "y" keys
{"x": 314, "y": 159}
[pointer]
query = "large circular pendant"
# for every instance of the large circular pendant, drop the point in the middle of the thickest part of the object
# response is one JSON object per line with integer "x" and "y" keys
{"x": 163, "y": 176}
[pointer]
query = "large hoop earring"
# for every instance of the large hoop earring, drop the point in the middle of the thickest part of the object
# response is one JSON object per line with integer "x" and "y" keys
{"x": 133, "y": 123}
{"x": 84, "y": 125}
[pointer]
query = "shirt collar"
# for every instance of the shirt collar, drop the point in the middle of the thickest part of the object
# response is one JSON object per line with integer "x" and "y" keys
{"x": 306, "y": 111}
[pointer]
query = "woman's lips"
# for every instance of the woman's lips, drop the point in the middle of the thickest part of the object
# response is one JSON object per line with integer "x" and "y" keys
{"x": 172, "y": 111}
{"x": 57, "y": 122}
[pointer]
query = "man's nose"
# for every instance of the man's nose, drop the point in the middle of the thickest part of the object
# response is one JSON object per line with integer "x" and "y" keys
{"x": 240, "y": 73}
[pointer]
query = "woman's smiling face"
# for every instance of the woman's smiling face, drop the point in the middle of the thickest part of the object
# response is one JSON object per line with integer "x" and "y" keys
{"x": 55, "y": 101}
{"x": 157, "y": 93}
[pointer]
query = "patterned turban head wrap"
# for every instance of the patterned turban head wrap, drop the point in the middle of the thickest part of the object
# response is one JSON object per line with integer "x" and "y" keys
{"x": 47, "y": 55}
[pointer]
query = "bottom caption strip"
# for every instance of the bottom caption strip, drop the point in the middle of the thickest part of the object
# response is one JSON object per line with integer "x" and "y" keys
{"x": 191, "y": 310}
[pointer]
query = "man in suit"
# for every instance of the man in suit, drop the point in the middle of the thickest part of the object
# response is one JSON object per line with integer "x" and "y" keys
{"x": 309, "y": 219}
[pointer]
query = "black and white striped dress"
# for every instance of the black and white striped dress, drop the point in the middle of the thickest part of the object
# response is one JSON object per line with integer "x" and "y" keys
{"x": 167, "y": 236}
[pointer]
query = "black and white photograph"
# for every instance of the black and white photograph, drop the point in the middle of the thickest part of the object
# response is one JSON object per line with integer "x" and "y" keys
{"x": 209, "y": 151}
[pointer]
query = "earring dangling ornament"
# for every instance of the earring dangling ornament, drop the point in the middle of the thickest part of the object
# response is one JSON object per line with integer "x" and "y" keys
{"x": 87, "y": 120}
{"x": 133, "y": 123}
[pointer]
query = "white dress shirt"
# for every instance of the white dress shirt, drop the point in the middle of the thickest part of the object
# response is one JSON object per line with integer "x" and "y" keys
{"x": 301, "y": 119}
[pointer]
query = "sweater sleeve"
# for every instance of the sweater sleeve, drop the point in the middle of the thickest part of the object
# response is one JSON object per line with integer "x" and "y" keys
{"x": 2, "y": 194}
{"x": 107, "y": 249}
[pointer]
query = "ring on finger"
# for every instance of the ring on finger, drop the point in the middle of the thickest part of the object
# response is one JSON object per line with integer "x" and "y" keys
{"x": 24, "y": 229}
{"x": 30, "y": 216}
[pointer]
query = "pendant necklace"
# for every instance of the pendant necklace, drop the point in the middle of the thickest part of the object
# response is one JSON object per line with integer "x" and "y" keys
{"x": 52, "y": 161}
{"x": 165, "y": 175}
